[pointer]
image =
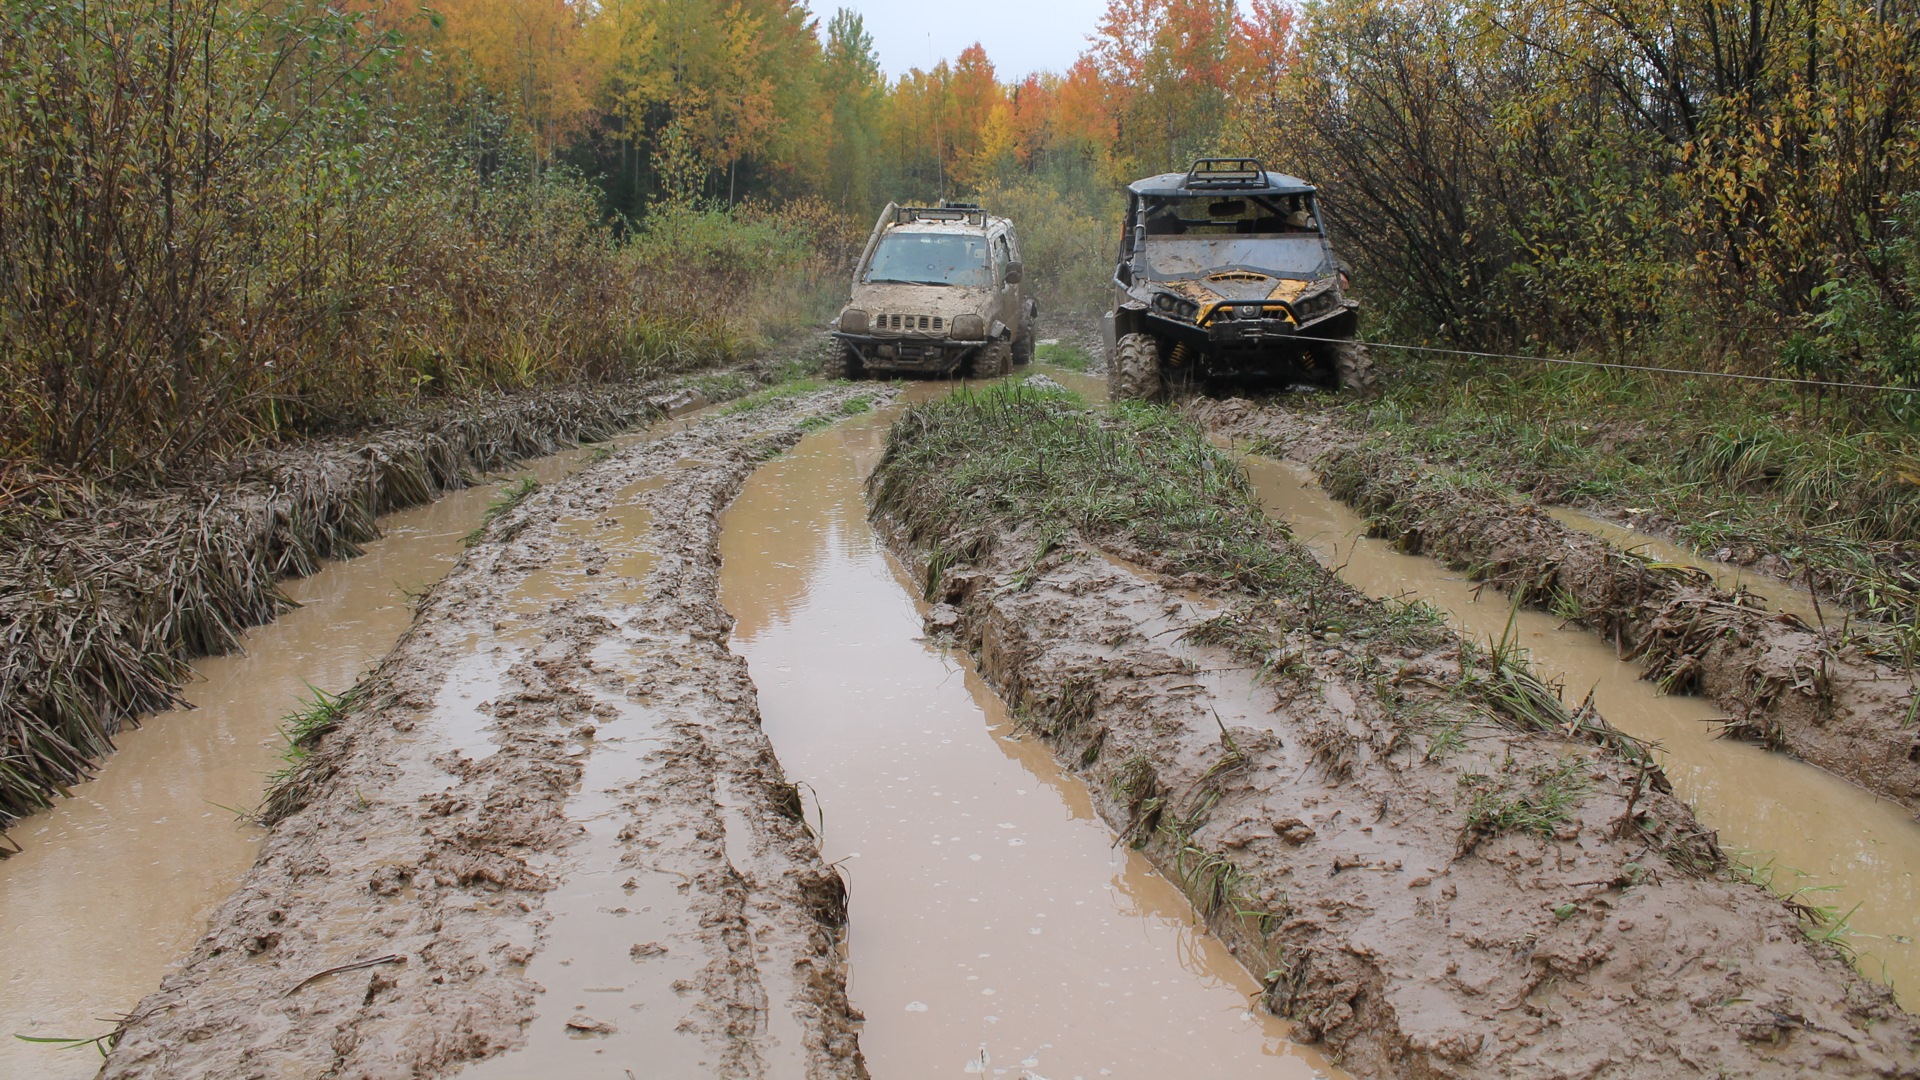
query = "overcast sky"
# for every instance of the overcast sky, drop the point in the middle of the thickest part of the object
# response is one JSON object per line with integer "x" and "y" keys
{"x": 1022, "y": 36}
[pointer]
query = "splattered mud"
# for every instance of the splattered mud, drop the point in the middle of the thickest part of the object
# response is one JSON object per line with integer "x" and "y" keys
{"x": 1819, "y": 692}
{"x": 995, "y": 926}
{"x": 1436, "y": 886}
{"x": 606, "y": 868}
{"x": 1805, "y": 829}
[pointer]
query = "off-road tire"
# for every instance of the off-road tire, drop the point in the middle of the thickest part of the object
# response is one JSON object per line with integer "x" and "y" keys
{"x": 844, "y": 363}
{"x": 993, "y": 360}
{"x": 1023, "y": 345}
{"x": 1134, "y": 372}
{"x": 1353, "y": 365}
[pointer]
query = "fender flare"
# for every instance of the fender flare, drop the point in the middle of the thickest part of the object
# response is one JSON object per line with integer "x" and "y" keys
{"x": 1128, "y": 319}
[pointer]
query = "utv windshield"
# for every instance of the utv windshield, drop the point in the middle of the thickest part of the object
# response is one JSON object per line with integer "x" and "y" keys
{"x": 1198, "y": 234}
{"x": 930, "y": 259}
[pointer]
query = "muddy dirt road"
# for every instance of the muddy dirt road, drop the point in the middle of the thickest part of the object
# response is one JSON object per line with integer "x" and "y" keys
{"x": 1803, "y": 828}
{"x": 1437, "y": 887}
{"x": 565, "y": 703}
{"x": 995, "y": 926}
{"x": 116, "y": 883}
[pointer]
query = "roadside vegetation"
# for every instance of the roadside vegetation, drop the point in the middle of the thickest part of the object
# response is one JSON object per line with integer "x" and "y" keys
{"x": 1739, "y": 474}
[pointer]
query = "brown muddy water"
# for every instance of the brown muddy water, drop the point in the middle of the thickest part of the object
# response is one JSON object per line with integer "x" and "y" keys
{"x": 996, "y": 929}
{"x": 1834, "y": 844}
{"x": 116, "y": 883}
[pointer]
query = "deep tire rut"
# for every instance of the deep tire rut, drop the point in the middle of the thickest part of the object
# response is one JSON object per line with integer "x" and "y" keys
{"x": 620, "y": 736}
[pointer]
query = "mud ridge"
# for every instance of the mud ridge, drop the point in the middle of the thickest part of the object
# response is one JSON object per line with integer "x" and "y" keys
{"x": 110, "y": 599}
{"x": 1811, "y": 691}
{"x": 1431, "y": 884}
{"x": 387, "y": 927}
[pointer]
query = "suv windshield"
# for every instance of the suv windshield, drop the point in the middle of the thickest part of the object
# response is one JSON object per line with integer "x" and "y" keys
{"x": 931, "y": 259}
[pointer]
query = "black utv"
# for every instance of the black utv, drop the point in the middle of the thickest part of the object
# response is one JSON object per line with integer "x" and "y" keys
{"x": 1226, "y": 274}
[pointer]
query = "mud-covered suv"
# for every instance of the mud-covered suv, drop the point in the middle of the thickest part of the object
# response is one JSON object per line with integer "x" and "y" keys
{"x": 1225, "y": 273}
{"x": 937, "y": 292}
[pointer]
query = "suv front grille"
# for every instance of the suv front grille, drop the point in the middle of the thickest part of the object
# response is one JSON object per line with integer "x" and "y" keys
{"x": 917, "y": 323}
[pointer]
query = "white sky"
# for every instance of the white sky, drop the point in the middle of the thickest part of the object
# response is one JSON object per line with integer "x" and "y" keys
{"x": 1021, "y": 36}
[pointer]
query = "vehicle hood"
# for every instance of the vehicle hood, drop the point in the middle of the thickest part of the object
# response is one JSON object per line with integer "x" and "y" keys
{"x": 1241, "y": 285}
{"x": 946, "y": 301}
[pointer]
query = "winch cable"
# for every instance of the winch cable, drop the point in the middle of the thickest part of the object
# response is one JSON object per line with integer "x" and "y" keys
{"x": 1816, "y": 384}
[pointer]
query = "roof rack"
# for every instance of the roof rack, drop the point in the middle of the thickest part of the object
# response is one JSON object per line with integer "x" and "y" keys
{"x": 1226, "y": 173}
{"x": 968, "y": 213}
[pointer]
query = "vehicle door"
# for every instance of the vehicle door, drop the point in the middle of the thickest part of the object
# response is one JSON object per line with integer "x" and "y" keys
{"x": 1006, "y": 301}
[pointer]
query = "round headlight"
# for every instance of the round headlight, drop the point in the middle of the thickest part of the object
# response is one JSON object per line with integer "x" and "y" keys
{"x": 853, "y": 321}
{"x": 969, "y": 328}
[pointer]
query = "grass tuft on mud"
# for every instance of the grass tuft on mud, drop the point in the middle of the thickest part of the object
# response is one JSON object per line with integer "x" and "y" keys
{"x": 1139, "y": 475}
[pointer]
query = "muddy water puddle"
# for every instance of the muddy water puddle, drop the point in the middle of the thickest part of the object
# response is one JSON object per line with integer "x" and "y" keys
{"x": 117, "y": 883}
{"x": 995, "y": 928}
{"x": 1849, "y": 850}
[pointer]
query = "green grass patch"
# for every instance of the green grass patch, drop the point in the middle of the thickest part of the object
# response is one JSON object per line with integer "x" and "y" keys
{"x": 510, "y": 496}
{"x": 783, "y": 391}
{"x": 853, "y": 406}
{"x": 1535, "y": 800}
{"x": 1136, "y": 479}
{"x": 1066, "y": 356}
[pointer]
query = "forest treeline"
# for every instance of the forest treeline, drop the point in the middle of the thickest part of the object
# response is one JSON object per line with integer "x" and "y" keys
{"x": 225, "y": 221}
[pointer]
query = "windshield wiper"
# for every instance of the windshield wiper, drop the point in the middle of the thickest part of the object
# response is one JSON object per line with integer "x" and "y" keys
{"x": 902, "y": 281}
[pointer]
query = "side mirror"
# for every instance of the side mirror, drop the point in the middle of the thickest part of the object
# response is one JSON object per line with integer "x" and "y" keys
{"x": 1014, "y": 272}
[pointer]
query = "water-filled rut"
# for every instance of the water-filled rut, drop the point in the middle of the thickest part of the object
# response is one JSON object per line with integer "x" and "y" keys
{"x": 115, "y": 884}
{"x": 1838, "y": 845}
{"x": 996, "y": 928}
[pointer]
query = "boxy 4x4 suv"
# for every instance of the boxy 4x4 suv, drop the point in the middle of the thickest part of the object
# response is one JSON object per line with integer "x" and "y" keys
{"x": 1226, "y": 273}
{"x": 937, "y": 290}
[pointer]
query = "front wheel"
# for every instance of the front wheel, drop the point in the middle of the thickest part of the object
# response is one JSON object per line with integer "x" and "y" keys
{"x": 994, "y": 360}
{"x": 845, "y": 363}
{"x": 1134, "y": 372}
{"x": 1023, "y": 345}
{"x": 1354, "y": 365}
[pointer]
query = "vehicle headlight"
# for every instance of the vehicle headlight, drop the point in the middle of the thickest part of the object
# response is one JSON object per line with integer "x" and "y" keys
{"x": 1176, "y": 306}
{"x": 1314, "y": 301}
{"x": 853, "y": 321}
{"x": 969, "y": 327}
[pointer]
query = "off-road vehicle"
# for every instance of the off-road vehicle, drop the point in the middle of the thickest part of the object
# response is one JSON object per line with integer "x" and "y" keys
{"x": 936, "y": 292}
{"x": 1226, "y": 273}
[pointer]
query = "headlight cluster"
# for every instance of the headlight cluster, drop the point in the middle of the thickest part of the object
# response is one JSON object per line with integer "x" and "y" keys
{"x": 1176, "y": 306}
{"x": 969, "y": 328}
{"x": 1315, "y": 302}
{"x": 853, "y": 321}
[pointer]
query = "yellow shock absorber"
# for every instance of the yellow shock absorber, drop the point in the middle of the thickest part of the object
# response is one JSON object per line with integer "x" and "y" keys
{"x": 1179, "y": 355}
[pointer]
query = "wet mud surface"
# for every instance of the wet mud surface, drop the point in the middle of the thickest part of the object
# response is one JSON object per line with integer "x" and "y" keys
{"x": 549, "y": 832}
{"x": 111, "y": 594}
{"x": 1806, "y": 688}
{"x": 117, "y": 882}
{"x": 1802, "y": 829}
{"x": 1326, "y": 801}
{"x": 996, "y": 928}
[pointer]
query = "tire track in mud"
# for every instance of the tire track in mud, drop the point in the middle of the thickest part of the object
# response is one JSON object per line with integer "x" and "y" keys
{"x": 1783, "y": 683}
{"x": 557, "y": 780}
{"x": 1334, "y": 819}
